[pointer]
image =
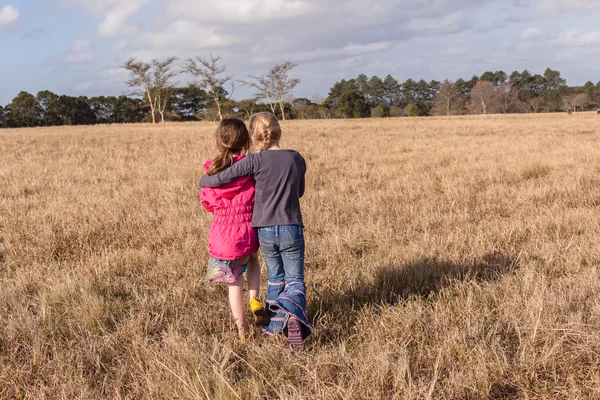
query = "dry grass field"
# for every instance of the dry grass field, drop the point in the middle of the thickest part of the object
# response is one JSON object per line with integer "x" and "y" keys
{"x": 447, "y": 258}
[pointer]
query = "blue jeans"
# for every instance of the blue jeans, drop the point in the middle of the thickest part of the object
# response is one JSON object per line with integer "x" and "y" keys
{"x": 283, "y": 249}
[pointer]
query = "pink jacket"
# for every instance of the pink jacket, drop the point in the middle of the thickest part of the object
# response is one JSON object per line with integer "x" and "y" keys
{"x": 231, "y": 236}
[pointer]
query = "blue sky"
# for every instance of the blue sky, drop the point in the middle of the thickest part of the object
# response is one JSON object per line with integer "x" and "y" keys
{"x": 76, "y": 46}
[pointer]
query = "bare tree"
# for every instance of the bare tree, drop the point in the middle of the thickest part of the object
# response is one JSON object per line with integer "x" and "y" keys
{"x": 581, "y": 100}
{"x": 317, "y": 98}
{"x": 275, "y": 86}
{"x": 536, "y": 103}
{"x": 447, "y": 99}
{"x": 507, "y": 98}
{"x": 289, "y": 98}
{"x": 282, "y": 84}
{"x": 209, "y": 75}
{"x": 247, "y": 107}
{"x": 152, "y": 81}
{"x": 264, "y": 89}
{"x": 483, "y": 97}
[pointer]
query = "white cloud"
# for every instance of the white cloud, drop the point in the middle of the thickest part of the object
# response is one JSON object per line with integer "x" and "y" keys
{"x": 247, "y": 11}
{"x": 80, "y": 58}
{"x": 80, "y": 53}
{"x": 352, "y": 63}
{"x": 570, "y": 5}
{"x": 320, "y": 54}
{"x": 116, "y": 14}
{"x": 531, "y": 34}
{"x": 578, "y": 39}
{"x": 8, "y": 16}
{"x": 188, "y": 36}
{"x": 81, "y": 44}
{"x": 84, "y": 86}
{"x": 120, "y": 45}
{"x": 450, "y": 23}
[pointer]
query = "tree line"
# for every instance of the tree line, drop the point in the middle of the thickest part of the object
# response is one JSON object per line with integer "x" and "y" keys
{"x": 154, "y": 96}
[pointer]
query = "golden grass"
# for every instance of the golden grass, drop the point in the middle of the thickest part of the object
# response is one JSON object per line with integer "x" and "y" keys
{"x": 446, "y": 258}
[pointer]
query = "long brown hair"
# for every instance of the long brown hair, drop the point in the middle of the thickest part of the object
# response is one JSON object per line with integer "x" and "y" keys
{"x": 265, "y": 130}
{"x": 232, "y": 138}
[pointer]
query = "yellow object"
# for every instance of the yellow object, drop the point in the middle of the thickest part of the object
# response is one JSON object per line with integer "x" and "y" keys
{"x": 243, "y": 338}
{"x": 255, "y": 305}
{"x": 261, "y": 318}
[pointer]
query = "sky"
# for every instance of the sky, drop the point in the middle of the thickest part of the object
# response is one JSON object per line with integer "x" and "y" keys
{"x": 76, "y": 46}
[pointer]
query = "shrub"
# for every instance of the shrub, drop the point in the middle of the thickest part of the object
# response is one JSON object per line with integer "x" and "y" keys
{"x": 396, "y": 111}
{"x": 381, "y": 111}
{"x": 412, "y": 110}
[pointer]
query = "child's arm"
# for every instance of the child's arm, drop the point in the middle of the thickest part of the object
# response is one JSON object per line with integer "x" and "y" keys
{"x": 244, "y": 167}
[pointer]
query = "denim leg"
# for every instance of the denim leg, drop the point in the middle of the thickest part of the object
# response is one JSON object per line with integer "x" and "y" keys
{"x": 293, "y": 298}
{"x": 283, "y": 250}
{"x": 291, "y": 249}
{"x": 269, "y": 247}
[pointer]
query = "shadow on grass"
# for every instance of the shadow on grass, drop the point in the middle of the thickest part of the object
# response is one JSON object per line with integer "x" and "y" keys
{"x": 335, "y": 311}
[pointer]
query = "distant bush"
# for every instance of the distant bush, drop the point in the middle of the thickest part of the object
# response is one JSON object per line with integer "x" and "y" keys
{"x": 412, "y": 110}
{"x": 396, "y": 111}
{"x": 381, "y": 111}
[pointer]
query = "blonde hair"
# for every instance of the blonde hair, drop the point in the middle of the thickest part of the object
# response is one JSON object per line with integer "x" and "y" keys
{"x": 232, "y": 137}
{"x": 265, "y": 130}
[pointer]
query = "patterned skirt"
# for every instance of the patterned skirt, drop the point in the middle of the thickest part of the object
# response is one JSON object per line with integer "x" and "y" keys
{"x": 226, "y": 271}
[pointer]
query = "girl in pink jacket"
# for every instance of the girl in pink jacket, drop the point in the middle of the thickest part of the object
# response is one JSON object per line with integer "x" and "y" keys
{"x": 232, "y": 242}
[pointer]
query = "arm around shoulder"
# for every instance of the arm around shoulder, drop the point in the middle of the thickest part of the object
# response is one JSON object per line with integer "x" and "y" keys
{"x": 244, "y": 167}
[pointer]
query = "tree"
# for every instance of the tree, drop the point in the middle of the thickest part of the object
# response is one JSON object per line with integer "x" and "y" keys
{"x": 49, "y": 104}
{"x": 488, "y": 76}
{"x": 447, "y": 100}
{"x": 409, "y": 91}
{"x": 338, "y": 89}
{"x": 508, "y": 98}
{"x": 412, "y": 110}
{"x": 380, "y": 111}
{"x": 189, "y": 101}
{"x": 500, "y": 77}
{"x": 376, "y": 90}
{"x": 103, "y": 108}
{"x": 590, "y": 89}
{"x": 130, "y": 110}
{"x": 574, "y": 101}
{"x": 362, "y": 83}
{"x": 317, "y": 98}
{"x": 392, "y": 93}
{"x": 396, "y": 111}
{"x": 76, "y": 111}
{"x": 3, "y": 117}
{"x": 210, "y": 77}
{"x": 264, "y": 89}
{"x": 282, "y": 84}
{"x": 247, "y": 107}
{"x": 464, "y": 90}
{"x": 352, "y": 104}
{"x": 515, "y": 80}
{"x": 305, "y": 109}
{"x": 535, "y": 103}
{"x": 275, "y": 87}
{"x": 24, "y": 111}
{"x": 553, "y": 88}
{"x": 152, "y": 81}
{"x": 483, "y": 97}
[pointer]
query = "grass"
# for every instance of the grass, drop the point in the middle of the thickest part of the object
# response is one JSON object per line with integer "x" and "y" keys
{"x": 446, "y": 258}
